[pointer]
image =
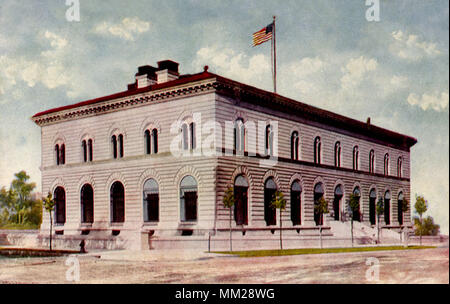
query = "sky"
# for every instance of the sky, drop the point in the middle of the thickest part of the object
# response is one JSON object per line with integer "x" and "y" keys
{"x": 394, "y": 70}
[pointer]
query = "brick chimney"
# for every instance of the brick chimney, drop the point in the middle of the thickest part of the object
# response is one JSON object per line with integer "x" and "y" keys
{"x": 167, "y": 71}
{"x": 145, "y": 76}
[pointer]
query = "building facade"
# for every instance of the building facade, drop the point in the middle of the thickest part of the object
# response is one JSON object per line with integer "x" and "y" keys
{"x": 148, "y": 167}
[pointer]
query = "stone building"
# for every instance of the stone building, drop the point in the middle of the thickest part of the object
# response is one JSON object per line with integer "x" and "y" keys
{"x": 148, "y": 167}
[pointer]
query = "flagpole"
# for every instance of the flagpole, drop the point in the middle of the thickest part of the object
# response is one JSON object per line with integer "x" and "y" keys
{"x": 274, "y": 57}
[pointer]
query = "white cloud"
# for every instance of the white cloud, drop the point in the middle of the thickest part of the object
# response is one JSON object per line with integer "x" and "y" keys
{"x": 127, "y": 29}
{"x": 399, "y": 81}
{"x": 434, "y": 101}
{"x": 410, "y": 47}
{"x": 234, "y": 65}
{"x": 47, "y": 67}
{"x": 356, "y": 70}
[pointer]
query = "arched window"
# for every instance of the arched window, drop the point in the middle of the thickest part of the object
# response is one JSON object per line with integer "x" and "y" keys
{"x": 357, "y": 213}
{"x": 57, "y": 154}
{"x": 114, "y": 145}
{"x": 90, "y": 151}
{"x": 117, "y": 197}
{"x": 117, "y": 145}
{"x": 294, "y": 145}
{"x": 62, "y": 154}
{"x": 188, "y": 199}
{"x": 399, "y": 166}
{"x": 151, "y": 201}
{"x": 386, "y": 164}
{"x": 87, "y": 204}
{"x": 372, "y": 206}
{"x": 317, "y": 150}
{"x": 372, "y": 161}
{"x": 241, "y": 197}
{"x": 192, "y": 133}
{"x": 239, "y": 135}
{"x": 387, "y": 207}
{"x": 185, "y": 136}
{"x": 270, "y": 187}
{"x": 318, "y": 194}
{"x": 338, "y": 194}
{"x": 296, "y": 203}
{"x": 337, "y": 154}
{"x": 155, "y": 140}
{"x": 84, "y": 150}
{"x": 151, "y": 141}
{"x": 60, "y": 205}
{"x": 355, "y": 158}
{"x": 148, "y": 142}
{"x": 400, "y": 208}
{"x": 120, "y": 142}
{"x": 269, "y": 140}
{"x": 188, "y": 140}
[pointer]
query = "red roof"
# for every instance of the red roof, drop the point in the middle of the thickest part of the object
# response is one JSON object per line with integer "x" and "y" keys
{"x": 273, "y": 100}
{"x": 182, "y": 80}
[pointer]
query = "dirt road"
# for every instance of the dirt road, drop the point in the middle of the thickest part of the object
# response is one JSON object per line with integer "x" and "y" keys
{"x": 405, "y": 266}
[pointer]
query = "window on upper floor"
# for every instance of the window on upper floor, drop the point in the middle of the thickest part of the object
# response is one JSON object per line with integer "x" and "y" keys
{"x": 269, "y": 140}
{"x": 294, "y": 145}
{"x": 337, "y": 154}
{"x": 372, "y": 161}
{"x": 151, "y": 141}
{"x": 60, "y": 154}
{"x": 188, "y": 138}
{"x": 86, "y": 147}
{"x": 399, "y": 166}
{"x": 239, "y": 135}
{"x": 355, "y": 158}
{"x": 386, "y": 164}
{"x": 317, "y": 150}
{"x": 117, "y": 146}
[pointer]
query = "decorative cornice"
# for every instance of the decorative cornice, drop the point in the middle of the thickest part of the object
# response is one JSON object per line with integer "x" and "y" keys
{"x": 138, "y": 99}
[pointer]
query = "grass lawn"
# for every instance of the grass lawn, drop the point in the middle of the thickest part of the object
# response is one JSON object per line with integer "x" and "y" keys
{"x": 262, "y": 253}
{"x": 31, "y": 252}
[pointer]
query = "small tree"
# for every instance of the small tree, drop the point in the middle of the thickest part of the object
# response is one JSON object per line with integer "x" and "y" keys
{"x": 427, "y": 227}
{"x": 49, "y": 205}
{"x": 421, "y": 207}
{"x": 279, "y": 202}
{"x": 228, "y": 202}
{"x": 353, "y": 204}
{"x": 321, "y": 208}
{"x": 380, "y": 211}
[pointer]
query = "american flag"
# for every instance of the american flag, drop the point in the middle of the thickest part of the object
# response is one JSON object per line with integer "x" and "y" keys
{"x": 263, "y": 35}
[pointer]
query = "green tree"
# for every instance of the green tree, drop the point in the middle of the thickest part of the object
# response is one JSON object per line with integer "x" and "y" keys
{"x": 321, "y": 208}
{"x": 49, "y": 205}
{"x": 23, "y": 190}
{"x": 426, "y": 227}
{"x": 421, "y": 207}
{"x": 35, "y": 214}
{"x": 380, "y": 211}
{"x": 7, "y": 201}
{"x": 353, "y": 203}
{"x": 279, "y": 202}
{"x": 229, "y": 201}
